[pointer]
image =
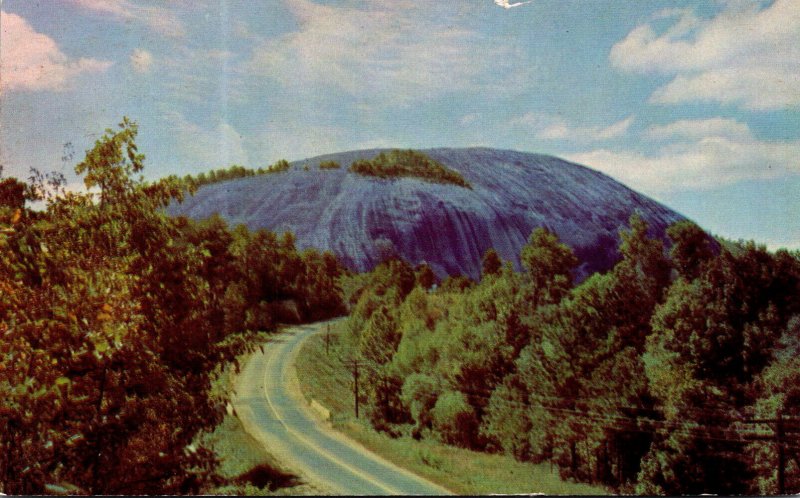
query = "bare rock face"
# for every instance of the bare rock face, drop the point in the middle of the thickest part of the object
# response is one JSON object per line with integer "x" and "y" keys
{"x": 363, "y": 219}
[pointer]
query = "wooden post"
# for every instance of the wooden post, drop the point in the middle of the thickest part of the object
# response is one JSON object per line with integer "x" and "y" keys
{"x": 573, "y": 463}
{"x": 353, "y": 365}
{"x": 779, "y": 437}
{"x": 355, "y": 386}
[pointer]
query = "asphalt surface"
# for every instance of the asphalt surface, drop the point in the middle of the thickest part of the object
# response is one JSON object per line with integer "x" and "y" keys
{"x": 274, "y": 412}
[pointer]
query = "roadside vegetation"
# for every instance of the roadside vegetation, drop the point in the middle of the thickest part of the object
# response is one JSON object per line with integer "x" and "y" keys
{"x": 408, "y": 163}
{"x": 114, "y": 319}
{"x": 245, "y": 467}
{"x": 325, "y": 378}
{"x": 669, "y": 374}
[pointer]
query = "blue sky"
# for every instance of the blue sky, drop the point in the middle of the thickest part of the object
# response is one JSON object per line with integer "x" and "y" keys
{"x": 695, "y": 103}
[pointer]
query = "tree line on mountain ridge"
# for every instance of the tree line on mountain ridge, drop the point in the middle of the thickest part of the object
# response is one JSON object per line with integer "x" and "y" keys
{"x": 408, "y": 163}
{"x": 231, "y": 173}
{"x": 394, "y": 164}
{"x": 113, "y": 318}
{"x": 644, "y": 378}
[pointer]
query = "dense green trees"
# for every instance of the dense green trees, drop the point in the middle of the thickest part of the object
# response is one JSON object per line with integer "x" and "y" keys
{"x": 233, "y": 172}
{"x": 712, "y": 340}
{"x": 490, "y": 263}
{"x": 329, "y": 165}
{"x": 113, "y": 316}
{"x": 644, "y": 378}
{"x": 398, "y": 163}
{"x": 691, "y": 248}
{"x": 549, "y": 263}
{"x": 584, "y": 363}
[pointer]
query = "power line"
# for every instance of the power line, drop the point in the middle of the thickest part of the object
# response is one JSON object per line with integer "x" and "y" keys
{"x": 686, "y": 428}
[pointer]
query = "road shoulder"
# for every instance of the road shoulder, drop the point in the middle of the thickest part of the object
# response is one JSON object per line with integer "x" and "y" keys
{"x": 249, "y": 384}
{"x": 324, "y": 423}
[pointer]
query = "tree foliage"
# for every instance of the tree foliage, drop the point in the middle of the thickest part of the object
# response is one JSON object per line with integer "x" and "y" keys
{"x": 642, "y": 378}
{"x": 549, "y": 263}
{"x": 233, "y": 172}
{"x": 408, "y": 163}
{"x": 113, "y": 317}
{"x": 691, "y": 248}
{"x": 329, "y": 165}
{"x": 490, "y": 263}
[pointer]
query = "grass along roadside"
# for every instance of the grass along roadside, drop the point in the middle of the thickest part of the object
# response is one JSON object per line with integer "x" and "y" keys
{"x": 323, "y": 378}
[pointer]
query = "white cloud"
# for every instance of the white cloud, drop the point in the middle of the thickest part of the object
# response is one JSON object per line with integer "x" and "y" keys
{"x": 774, "y": 244}
{"x": 615, "y": 130}
{"x": 704, "y": 154}
{"x": 159, "y": 19}
{"x": 294, "y": 140}
{"x": 757, "y": 88}
{"x": 192, "y": 75}
{"x": 201, "y": 149}
{"x": 31, "y": 61}
{"x": 141, "y": 60}
{"x": 548, "y": 127}
{"x": 746, "y": 55}
{"x": 394, "y": 52}
{"x": 113, "y": 7}
{"x": 468, "y": 119}
{"x": 242, "y": 30}
{"x": 700, "y": 128}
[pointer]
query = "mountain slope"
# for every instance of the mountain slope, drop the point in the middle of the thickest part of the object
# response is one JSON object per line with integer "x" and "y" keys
{"x": 362, "y": 219}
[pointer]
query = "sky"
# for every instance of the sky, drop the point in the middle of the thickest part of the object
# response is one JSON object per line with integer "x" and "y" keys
{"x": 693, "y": 103}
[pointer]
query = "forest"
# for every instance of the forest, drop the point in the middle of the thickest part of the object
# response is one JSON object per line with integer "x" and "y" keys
{"x": 113, "y": 317}
{"x": 676, "y": 372}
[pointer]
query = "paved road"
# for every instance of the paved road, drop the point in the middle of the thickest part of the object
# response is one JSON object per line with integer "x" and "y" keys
{"x": 272, "y": 410}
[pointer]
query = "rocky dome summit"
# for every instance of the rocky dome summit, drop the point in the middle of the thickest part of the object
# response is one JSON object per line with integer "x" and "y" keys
{"x": 503, "y": 197}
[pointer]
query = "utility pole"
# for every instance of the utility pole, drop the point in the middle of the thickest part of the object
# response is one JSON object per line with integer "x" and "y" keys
{"x": 779, "y": 438}
{"x": 328, "y": 340}
{"x": 353, "y": 365}
{"x": 355, "y": 385}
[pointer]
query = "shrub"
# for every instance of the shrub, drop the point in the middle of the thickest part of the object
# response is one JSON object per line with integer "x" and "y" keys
{"x": 281, "y": 165}
{"x": 225, "y": 174}
{"x": 454, "y": 420}
{"x": 419, "y": 394}
{"x": 408, "y": 163}
{"x": 329, "y": 165}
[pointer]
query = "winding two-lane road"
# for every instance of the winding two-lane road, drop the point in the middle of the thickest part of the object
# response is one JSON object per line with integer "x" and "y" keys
{"x": 272, "y": 410}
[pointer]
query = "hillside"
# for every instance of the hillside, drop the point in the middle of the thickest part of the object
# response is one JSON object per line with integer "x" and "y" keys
{"x": 361, "y": 219}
